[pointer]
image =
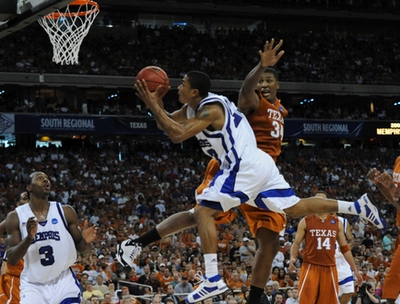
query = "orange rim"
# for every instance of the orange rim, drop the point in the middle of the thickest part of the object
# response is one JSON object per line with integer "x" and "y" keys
{"x": 95, "y": 8}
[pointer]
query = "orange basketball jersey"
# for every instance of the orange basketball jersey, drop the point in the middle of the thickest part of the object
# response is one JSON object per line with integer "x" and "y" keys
{"x": 396, "y": 180}
{"x": 16, "y": 269}
{"x": 320, "y": 240}
{"x": 267, "y": 124}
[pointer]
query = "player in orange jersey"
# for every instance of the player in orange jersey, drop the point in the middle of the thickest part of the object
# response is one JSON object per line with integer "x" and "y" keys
{"x": 318, "y": 280}
{"x": 9, "y": 280}
{"x": 389, "y": 186}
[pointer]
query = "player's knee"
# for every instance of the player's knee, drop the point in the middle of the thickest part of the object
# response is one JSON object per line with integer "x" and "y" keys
{"x": 298, "y": 210}
{"x": 268, "y": 241}
{"x": 202, "y": 213}
{"x": 293, "y": 212}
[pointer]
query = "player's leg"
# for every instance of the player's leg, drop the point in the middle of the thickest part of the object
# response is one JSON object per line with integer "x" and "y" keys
{"x": 130, "y": 249}
{"x": 346, "y": 298}
{"x": 328, "y": 285}
{"x": 173, "y": 224}
{"x": 268, "y": 246}
{"x": 308, "y": 289}
{"x": 362, "y": 207}
{"x": 392, "y": 286}
{"x": 266, "y": 226}
{"x": 212, "y": 284}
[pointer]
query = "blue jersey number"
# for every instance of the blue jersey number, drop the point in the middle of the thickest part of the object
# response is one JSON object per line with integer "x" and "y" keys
{"x": 48, "y": 255}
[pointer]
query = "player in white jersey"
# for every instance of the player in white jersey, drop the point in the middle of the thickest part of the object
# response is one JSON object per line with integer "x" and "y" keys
{"x": 345, "y": 275}
{"x": 46, "y": 235}
{"x": 246, "y": 175}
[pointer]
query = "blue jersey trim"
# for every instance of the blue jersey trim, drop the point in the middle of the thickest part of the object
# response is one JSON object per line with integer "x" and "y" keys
{"x": 62, "y": 215}
{"x": 272, "y": 193}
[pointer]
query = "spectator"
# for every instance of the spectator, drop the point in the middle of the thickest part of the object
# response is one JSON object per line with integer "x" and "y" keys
{"x": 100, "y": 285}
{"x": 246, "y": 250}
{"x": 154, "y": 283}
{"x": 294, "y": 299}
{"x": 89, "y": 292}
{"x": 267, "y": 297}
{"x": 170, "y": 295}
{"x": 366, "y": 295}
{"x": 183, "y": 288}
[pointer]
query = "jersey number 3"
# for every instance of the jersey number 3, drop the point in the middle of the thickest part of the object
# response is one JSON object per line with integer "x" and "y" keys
{"x": 48, "y": 255}
{"x": 278, "y": 130}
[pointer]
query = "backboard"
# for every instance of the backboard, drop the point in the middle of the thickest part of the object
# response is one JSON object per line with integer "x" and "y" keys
{"x": 17, "y": 14}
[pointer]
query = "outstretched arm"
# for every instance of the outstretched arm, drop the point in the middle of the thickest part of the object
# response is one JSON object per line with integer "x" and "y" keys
{"x": 294, "y": 250}
{"x": 248, "y": 99}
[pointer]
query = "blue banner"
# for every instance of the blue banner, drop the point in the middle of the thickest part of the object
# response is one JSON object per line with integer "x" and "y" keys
{"x": 137, "y": 125}
{"x": 63, "y": 124}
{"x": 85, "y": 124}
{"x": 145, "y": 125}
{"x": 323, "y": 128}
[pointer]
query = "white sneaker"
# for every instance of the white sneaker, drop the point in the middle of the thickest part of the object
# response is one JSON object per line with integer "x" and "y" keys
{"x": 367, "y": 210}
{"x": 208, "y": 288}
{"x": 127, "y": 252}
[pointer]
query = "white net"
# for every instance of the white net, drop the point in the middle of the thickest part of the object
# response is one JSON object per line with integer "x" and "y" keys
{"x": 67, "y": 28}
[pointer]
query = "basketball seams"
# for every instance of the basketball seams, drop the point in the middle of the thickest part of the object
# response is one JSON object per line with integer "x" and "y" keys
{"x": 154, "y": 77}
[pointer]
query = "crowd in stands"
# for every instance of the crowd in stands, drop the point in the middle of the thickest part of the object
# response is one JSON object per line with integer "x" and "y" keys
{"x": 319, "y": 56}
{"x": 127, "y": 197}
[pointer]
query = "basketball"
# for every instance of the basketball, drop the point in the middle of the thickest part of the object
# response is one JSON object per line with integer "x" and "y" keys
{"x": 154, "y": 76}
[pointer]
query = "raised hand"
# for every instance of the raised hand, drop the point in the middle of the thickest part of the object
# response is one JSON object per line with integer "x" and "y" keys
{"x": 32, "y": 227}
{"x": 89, "y": 233}
{"x": 373, "y": 174}
{"x": 385, "y": 179}
{"x": 269, "y": 56}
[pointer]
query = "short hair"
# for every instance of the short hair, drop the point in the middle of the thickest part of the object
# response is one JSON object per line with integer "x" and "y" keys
{"x": 273, "y": 72}
{"x": 279, "y": 293}
{"x": 322, "y": 192}
{"x": 169, "y": 300}
{"x": 200, "y": 81}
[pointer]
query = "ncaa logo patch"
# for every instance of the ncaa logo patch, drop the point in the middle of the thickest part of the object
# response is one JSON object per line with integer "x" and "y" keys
{"x": 333, "y": 221}
{"x": 54, "y": 221}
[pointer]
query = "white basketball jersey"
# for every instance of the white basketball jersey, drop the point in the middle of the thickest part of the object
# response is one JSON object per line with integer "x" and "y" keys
{"x": 234, "y": 140}
{"x": 52, "y": 251}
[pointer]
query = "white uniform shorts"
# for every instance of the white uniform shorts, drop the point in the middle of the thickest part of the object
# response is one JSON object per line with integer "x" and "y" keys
{"x": 64, "y": 289}
{"x": 255, "y": 181}
{"x": 345, "y": 277}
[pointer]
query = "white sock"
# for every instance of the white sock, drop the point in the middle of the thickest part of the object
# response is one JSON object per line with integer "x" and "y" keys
{"x": 211, "y": 261}
{"x": 346, "y": 207}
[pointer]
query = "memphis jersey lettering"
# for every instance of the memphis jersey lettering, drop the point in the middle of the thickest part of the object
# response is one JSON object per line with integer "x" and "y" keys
{"x": 234, "y": 140}
{"x": 48, "y": 235}
{"x": 52, "y": 250}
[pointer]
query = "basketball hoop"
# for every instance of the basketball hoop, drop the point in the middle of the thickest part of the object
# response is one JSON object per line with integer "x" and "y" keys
{"x": 67, "y": 29}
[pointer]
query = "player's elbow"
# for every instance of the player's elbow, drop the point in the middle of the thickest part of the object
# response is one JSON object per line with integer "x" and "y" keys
{"x": 11, "y": 260}
{"x": 176, "y": 140}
